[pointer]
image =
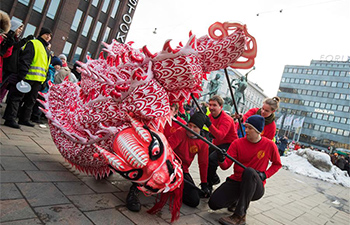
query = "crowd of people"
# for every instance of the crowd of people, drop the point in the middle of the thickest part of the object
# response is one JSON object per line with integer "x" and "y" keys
{"x": 31, "y": 60}
{"x": 28, "y": 62}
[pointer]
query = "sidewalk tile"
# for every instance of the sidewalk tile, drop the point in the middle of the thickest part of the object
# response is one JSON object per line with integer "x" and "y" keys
{"x": 10, "y": 150}
{"x": 17, "y": 163}
{"x": 50, "y": 166}
{"x": 95, "y": 201}
{"x": 15, "y": 210}
{"x": 62, "y": 214}
{"x": 42, "y": 194}
{"x": 32, "y": 149}
{"x": 34, "y": 221}
{"x": 100, "y": 186}
{"x": 9, "y": 191}
{"x": 51, "y": 176}
{"x": 45, "y": 158}
{"x": 13, "y": 176}
{"x": 73, "y": 188}
{"x": 111, "y": 216}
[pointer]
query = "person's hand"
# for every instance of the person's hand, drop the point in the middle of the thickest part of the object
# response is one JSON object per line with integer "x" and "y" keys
{"x": 207, "y": 121}
{"x": 262, "y": 175}
{"x": 205, "y": 189}
{"x": 238, "y": 116}
{"x": 220, "y": 155}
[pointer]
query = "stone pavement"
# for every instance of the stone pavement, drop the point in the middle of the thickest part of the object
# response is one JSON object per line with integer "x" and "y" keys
{"x": 39, "y": 187}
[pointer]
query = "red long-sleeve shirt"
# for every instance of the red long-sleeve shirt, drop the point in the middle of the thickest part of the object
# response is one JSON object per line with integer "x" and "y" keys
{"x": 254, "y": 155}
{"x": 269, "y": 129}
{"x": 169, "y": 130}
{"x": 223, "y": 129}
{"x": 186, "y": 148}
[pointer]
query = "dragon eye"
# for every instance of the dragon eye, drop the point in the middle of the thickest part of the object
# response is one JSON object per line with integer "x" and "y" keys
{"x": 156, "y": 148}
{"x": 133, "y": 174}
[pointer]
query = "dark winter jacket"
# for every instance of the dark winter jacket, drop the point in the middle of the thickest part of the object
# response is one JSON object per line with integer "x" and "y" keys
{"x": 282, "y": 143}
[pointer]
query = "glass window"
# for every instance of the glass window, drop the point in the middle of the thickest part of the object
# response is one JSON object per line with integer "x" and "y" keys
{"x": 307, "y": 81}
{"x": 325, "y": 117}
{"x": 334, "y": 84}
{"x": 316, "y": 127}
{"x": 291, "y": 101}
{"x": 325, "y": 94}
{"x": 342, "y": 73}
{"x": 314, "y": 72}
{"x": 105, "y": 37}
{"x": 297, "y": 81}
{"x": 95, "y": 3}
{"x": 340, "y": 85}
{"x": 328, "y": 84}
{"x": 314, "y": 115}
{"x": 87, "y": 26}
{"x": 285, "y": 70}
{"x": 77, "y": 54}
{"x": 76, "y": 20}
{"x": 346, "y": 133}
{"x": 314, "y": 93}
{"x": 97, "y": 31}
{"x": 340, "y": 108}
{"x": 331, "y": 95}
{"x": 342, "y": 96}
{"x": 322, "y": 105}
{"x": 340, "y": 132}
{"x": 39, "y": 5}
{"x": 336, "y": 95}
{"x": 17, "y": 19}
{"x": 346, "y": 108}
{"x": 304, "y": 71}
{"x": 319, "y": 116}
{"x": 300, "y": 70}
{"x": 336, "y": 73}
{"x": 283, "y": 80}
{"x": 334, "y": 130}
{"x": 306, "y": 103}
{"x": 328, "y": 129}
{"x": 105, "y": 6}
{"x": 317, "y": 82}
{"x": 347, "y": 97}
{"x": 295, "y": 70}
{"x": 322, "y": 128}
{"x": 317, "y": 104}
{"x": 343, "y": 120}
{"x": 115, "y": 8}
{"x": 303, "y": 92}
{"x": 320, "y": 72}
{"x": 331, "y": 118}
{"x": 309, "y": 71}
{"x": 319, "y": 94}
{"x": 331, "y": 73}
{"x": 51, "y": 12}
{"x": 24, "y": 2}
{"x": 346, "y": 85}
{"x": 30, "y": 29}
{"x": 325, "y": 72}
{"x": 334, "y": 107}
{"x": 66, "y": 48}
{"x": 287, "y": 80}
{"x": 312, "y": 103}
{"x": 337, "y": 119}
{"x": 328, "y": 106}
{"x": 302, "y": 81}
{"x": 292, "y": 80}
{"x": 309, "y": 92}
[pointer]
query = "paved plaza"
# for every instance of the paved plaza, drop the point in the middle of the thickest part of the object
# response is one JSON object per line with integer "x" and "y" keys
{"x": 39, "y": 187}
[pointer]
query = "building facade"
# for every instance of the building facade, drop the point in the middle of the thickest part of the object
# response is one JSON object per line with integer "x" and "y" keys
{"x": 320, "y": 94}
{"x": 78, "y": 26}
{"x": 254, "y": 95}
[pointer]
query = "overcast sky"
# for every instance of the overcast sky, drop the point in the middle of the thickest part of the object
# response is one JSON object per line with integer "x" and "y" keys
{"x": 305, "y": 30}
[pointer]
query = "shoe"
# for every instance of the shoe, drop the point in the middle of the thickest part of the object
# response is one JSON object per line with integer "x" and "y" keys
{"x": 12, "y": 123}
{"x": 132, "y": 200}
{"x": 233, "y": 220}
{"x": 26, "y": 123}
{"x": 37, "y": 121}
{"x": 232, "y": 207}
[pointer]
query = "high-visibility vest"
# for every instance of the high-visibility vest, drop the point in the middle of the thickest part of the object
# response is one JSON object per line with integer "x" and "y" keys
{"x": 40, "y": 64}
{"x": 206, "y": 113}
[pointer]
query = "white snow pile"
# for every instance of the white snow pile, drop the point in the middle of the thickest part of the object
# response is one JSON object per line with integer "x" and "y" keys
{"x": 300, "y": 162}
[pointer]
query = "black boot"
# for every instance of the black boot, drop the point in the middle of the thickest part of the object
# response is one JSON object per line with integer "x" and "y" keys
{"x": 132, "y": 200}
{"x": 12, "y": 123}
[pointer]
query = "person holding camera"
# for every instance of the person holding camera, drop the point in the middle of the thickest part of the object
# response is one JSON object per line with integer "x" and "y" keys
{"x": 10, "y": 64}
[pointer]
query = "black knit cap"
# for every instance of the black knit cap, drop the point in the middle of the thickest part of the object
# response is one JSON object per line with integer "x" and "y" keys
{"x": 257, "y": 121}
{"x": 198, "y": 119}
{"x": 45, "y": 30}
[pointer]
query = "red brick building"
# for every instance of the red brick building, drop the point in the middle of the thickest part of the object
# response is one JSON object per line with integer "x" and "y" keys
{"x": 79, "y": 26}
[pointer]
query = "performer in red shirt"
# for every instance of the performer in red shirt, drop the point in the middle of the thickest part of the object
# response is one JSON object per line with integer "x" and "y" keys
{"x": 245, "y": 185}
{"x": 186, "y": 146}
{"x": 270, "y": 105}
{"x": 222, "y": 128}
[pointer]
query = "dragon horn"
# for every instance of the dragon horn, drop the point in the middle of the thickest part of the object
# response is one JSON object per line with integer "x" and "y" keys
{"x": 110, "y": 158}
{"x": 142, "y": 132}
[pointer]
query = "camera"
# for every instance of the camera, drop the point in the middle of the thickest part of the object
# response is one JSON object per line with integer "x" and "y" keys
{"x": 11, "y": 33}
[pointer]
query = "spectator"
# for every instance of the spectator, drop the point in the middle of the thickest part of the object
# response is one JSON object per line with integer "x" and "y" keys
{"x": 76, "y": 71}
{"x": 297, "y": 146}
{"x": 63, "y": 58}
{"x": 282, "y": 145}
{"x": 10, "y": 67}
{"x": 6, "y": 39}
{"x": 169, "y": 130}
{"x": 33, "y": 66}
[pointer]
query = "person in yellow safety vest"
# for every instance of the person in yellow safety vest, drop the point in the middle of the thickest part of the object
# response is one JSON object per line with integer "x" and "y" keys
{"x": 33, "y": 65}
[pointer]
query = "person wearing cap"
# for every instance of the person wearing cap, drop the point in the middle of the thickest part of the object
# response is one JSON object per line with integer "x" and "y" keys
{"x": 186, "y": 145}
{"x": 10, "y": 67}
{"x": 244, "y": 185}
{"x": 63, "y": 58}
{"x": 222, "y": 128}
{"x": 33, "y": 65}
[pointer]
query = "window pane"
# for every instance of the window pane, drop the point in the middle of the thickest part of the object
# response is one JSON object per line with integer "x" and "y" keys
{"x": 77, "y": 54}
{"x": 105, "y": 6}
{"x": 30, "y": 29}
{"x": 53, "y": 9}
{"x": 97, "y": 31}
{"x": 39, "y": 5}
{"x": 24, "y": 2}
{"x": 115, "y": 8}
{"x": 66, "y": 48}
{"x": 87, "y": 26}
{"x": 76, "y": 20}
{"x": 105, "y": 38}
{"x": 95, "y": 3}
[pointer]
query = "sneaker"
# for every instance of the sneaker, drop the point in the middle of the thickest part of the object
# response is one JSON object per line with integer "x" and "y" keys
{"x": 26, "y": 123}
{"x": 233, "y": 220}
{"x": 12, "y": 123}
{"x": 132, "y": 200}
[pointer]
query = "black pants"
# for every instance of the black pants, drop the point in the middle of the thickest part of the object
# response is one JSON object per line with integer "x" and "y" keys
{"x": 15, "y": 98}
{"x": 190, "y": 194}
{"x": 251, "y": 188}
{"x": 213, "y": 163}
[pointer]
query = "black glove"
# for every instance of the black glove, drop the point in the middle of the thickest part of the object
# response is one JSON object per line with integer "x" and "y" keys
{"x": 262, "y": 175}
{"x": 220, "y": 155}
{"x": 207, "y": 121}
{"x": 206, "y": 191}
{"x": 30, "y": 37}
